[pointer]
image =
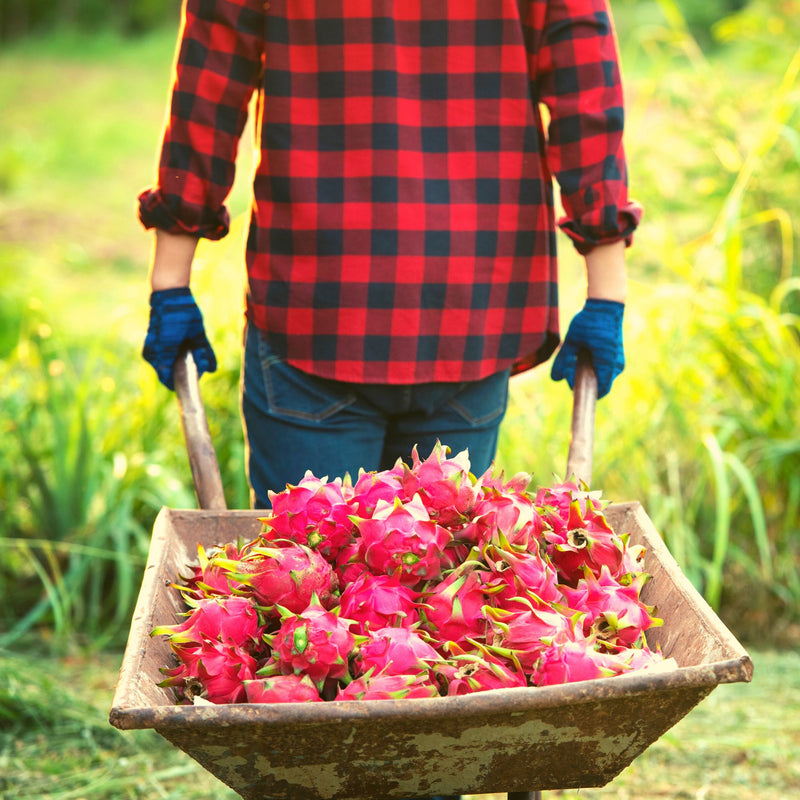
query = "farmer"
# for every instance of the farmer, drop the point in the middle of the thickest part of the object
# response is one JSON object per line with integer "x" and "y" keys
{"x": 401, "y": 257}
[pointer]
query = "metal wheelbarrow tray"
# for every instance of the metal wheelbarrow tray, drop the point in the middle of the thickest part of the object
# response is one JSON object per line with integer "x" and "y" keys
{"x": 506, "y": 740}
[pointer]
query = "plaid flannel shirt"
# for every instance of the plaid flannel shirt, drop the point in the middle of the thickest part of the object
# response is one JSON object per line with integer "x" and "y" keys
{"x": 403, "y": 225}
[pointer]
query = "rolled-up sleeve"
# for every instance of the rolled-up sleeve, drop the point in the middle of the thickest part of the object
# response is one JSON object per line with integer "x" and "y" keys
{"x": 578, "y": 80}
{"x": 217, "y": 68}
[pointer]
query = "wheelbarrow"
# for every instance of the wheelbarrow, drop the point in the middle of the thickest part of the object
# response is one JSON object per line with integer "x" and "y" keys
{"x": 521, "y": 741}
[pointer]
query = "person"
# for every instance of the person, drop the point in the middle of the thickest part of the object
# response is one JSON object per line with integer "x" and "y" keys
{"x": 401, "y": 255}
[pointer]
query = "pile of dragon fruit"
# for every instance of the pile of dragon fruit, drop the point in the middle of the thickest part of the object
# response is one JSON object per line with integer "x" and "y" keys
{"x": 418, "y": 581}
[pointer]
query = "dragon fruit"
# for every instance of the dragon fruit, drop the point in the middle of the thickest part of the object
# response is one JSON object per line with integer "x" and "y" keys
{"x": 570, "y": 656}
{"x": 282, "y": 689}
{"x": 401, "y": 538}
{"x": 587, "y": 540}
{"x": 520, "y": 574}
{"x": 315, "y": 642}
{"x": 284, "y": 574}
{"x": 208, "y": 578}
{"x": 447, "y": 488}
{"x": 417, "y": 581}
{"x": 378, "y": 601}
{"x": 480, "y": 670}
{"x": 371, "y": 487}
{"x": 396, "y": 651}
{"x": 613, "y": 611}
{"x": 313, "y": 513}
{"x": 213, "y": 670}
{"x": 377, "y": 686}
{"x": 232, "y": 620}
{"x": 454, "y": 609}
{"x": 510, "y": 517}
{"x": 524, "y": 630}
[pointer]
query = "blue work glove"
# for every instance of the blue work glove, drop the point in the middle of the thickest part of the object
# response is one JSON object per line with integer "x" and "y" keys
{"x": 597, "y": 327}
{"x": 176, "y": 325}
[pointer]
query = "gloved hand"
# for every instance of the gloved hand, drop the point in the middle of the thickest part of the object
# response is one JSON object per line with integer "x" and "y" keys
{"x": 176, "y": 325}
{"x": 598, "y": 329}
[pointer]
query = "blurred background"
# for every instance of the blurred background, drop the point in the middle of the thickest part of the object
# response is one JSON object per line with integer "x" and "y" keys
{"x": 703, "y": 427}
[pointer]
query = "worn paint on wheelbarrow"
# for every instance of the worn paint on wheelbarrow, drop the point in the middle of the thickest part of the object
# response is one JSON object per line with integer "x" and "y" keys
{"x": 576, "y": 735}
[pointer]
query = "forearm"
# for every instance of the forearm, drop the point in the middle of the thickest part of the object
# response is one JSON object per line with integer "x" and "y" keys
{"x": 605, "y": 272}
{"x": 171, "y": 266}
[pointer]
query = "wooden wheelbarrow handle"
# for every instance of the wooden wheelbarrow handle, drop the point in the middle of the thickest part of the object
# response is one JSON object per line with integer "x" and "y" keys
{"x": 581, "y": 446}
{"x": 202, "y": 456}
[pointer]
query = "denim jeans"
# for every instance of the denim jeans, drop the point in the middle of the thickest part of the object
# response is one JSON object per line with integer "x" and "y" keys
{"x": 296, "y": 422}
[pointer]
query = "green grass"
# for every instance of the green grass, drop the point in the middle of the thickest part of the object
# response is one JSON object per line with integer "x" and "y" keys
{"x": 55, "y": 742}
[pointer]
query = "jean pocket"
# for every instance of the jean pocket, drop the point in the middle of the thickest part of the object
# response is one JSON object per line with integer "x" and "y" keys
{"x": 483, "y": 402}
{"x": 294, "y": 394}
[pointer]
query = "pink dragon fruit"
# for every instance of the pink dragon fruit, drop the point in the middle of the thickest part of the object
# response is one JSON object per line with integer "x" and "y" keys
{"x": 401, "y": 538}
{"x": 517, "y": 484}
{"x": 378, "y": 601}
{"x": 208, "y": 578}
{"x": 519, "y": 574}
{"x": 349, "y": 564}
{"x": 231, "y": 620}
{"x": 396, "y": 651}
{"x": 377, "y": 686}
{"x": 282, "y": 689}
{"x": 316, "y": 642}
{"x": 569, "y": 656}
{"x": 554, "y": 502}
{"x": 643, "y": 658}
{"x": 613, "y": 611}
{"x": 453, "y": 610}
{"x": 587, "y": 540}
{"x": 314, "y": 513}
{"x": 386, "y": 485}
{"x": 498, "y": 516}
{"x": 479, "y": 671}
{"x": 447, "y": 488}
{"x": 213, "y": 670}
{"x": 524, "y": 630}
{"x": 285, "y": 574}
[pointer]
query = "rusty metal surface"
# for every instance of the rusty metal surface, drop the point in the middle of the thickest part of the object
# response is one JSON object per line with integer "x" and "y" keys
{"x": 576, "y": 735}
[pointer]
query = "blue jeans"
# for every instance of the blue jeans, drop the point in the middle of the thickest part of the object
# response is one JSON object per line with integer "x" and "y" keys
{"x": 296, "y": 422}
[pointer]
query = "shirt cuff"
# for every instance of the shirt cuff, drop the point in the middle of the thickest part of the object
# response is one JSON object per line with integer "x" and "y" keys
{"x": 602, "y": 226}
{"x": 157, "y": 211}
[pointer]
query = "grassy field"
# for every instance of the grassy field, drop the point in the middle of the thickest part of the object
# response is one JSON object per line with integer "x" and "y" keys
{"x": 55, "y": 743}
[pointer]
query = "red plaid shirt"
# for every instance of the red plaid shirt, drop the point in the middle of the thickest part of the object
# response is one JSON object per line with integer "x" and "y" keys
{"x": 403, "y": 225}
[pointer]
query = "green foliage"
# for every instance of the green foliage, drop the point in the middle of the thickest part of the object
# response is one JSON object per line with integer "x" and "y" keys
{"x": 24, "y": 17}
